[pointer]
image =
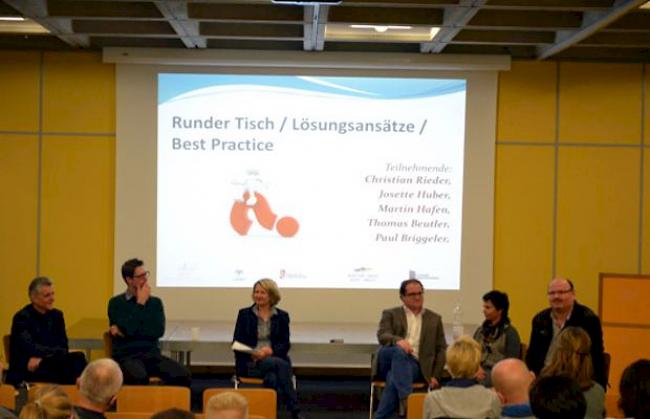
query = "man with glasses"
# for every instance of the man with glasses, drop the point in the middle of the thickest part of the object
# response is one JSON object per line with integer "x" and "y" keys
{"x": 39, "y": 344}
{"x": 564, "y": 311}
{"x": 413, "y": 348}
{"x": 137, "y": 321}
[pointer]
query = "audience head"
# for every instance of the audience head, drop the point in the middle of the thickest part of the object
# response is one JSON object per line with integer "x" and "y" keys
{"x": 50, "y": 402}
{"x": 227, "y": 405}
{"x": 495, "y": 306}
{"x": 557, "y": 397}
{"x": 266, "y": 288}
{"x": 635, "y": 390}
{"x": 561, "y": 294}
{"x": 572, "y": 357}
{"x": 173, "y": 414}
{"x": 511, "y": 380}
{"x": 100, "y": 382}
{"x": 41, "y": 293}
{"x": 464, "y": 358}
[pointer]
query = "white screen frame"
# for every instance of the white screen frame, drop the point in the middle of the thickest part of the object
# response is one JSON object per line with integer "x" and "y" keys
{"x": 135, "y": 202}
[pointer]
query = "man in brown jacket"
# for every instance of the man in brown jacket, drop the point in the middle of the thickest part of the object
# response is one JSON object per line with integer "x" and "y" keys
{"x": 413, "y": 347}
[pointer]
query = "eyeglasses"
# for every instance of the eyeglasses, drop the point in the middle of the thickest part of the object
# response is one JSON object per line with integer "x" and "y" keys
{"x": 414, "y": 294}
{"x": 559, "y": 292}
{"x": 145, "y": 274}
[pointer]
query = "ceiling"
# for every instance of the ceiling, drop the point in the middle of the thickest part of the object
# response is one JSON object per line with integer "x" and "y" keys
{"x": 593, "y": 30}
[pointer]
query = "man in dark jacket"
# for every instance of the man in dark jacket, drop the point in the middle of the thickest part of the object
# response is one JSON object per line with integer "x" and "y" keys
{"x": 39, "y": 344}
{"x": 564, "y": 311}
{"x": 137, "y": 321}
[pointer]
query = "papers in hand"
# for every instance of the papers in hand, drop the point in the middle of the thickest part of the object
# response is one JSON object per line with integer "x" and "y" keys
{"x": 240, "y": 347}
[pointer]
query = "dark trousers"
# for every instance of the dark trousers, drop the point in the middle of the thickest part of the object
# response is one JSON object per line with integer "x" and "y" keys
{"x": 60, "y": 369}
{"x": 400, "y": 370}
{"x": 277, "y": 374}
{"x": 138, "y": 368}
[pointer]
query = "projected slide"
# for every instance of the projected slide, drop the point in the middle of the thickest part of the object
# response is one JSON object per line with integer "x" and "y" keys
{"x": 317, "y": 182}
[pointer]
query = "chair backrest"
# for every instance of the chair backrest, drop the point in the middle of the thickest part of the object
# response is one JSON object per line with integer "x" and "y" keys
{"x": 108, "y": 344}
{"x": 202, "y": 416}
{"x": 150, "y": 399}
{"x": 6, "y": 343}
{"x": 71, "y": 390}
{"x": 8, "y": 396}
{"x": 415, "y": 405}
{"x": 127, "y": 415}
{"x": 523, "y": 348}
{"x": 607, "y": 361}
{"x": 261, "y": 401}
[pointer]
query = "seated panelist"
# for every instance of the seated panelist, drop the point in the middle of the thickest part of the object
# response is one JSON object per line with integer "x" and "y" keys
{"x": 39, "y": 344}
{"x": 265, "y": 328}
{"x": 137, "y": 322}
{"x": 497, "y": 336}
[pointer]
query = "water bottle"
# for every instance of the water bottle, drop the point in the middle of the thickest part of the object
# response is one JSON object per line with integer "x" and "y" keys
{"x": 457, "y": 326}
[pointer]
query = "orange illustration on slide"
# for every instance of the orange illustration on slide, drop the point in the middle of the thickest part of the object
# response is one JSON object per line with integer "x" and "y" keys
{"x": 286, "y": 226}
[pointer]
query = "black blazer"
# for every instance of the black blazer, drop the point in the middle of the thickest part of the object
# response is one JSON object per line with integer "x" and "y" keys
{"x": 246, "y": 333}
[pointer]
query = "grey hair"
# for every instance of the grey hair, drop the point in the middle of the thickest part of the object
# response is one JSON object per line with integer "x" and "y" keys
{"x": 100, "y": 381}
{"x": 38, "y": 283}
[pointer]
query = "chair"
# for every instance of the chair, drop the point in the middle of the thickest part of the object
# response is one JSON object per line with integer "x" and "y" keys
{"x": 261, "y": 401}
{"x": 256, "y": 417}
{"x": 127, "y": 415}
{"x": 379, "y": 384}
{"x": 108, "y": 344}
{"x": 607, "y": 361}
{"x": 151, "y": 399}
{"x": 71, "y": 390}
{"x": 415, "y": 405}
{"x": 6, "y": 343}
{"x": 108, "y": 351}
{"x": 8, "y": 396}
{"x": 237, "y": 381}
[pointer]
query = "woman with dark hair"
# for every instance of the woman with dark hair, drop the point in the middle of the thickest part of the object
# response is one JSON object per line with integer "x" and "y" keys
{"x": 497, "y": 336}
{"x": 635, "y": 390}
{"x": 265, "y": 328}
{"x": 571, "y": 357}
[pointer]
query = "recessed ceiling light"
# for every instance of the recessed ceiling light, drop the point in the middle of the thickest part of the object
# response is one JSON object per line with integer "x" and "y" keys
{"x": 379, "y": 33}
{"x": 26, "y": 26}
{"x": 646, "y": 5}
{"x": 382, "y": 28}
{"x": 11, "y": 18}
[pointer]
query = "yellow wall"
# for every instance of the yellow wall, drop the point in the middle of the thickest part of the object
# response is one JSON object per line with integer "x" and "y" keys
{"x": 570, "y": 172}
{"x": 57, "y": 170}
